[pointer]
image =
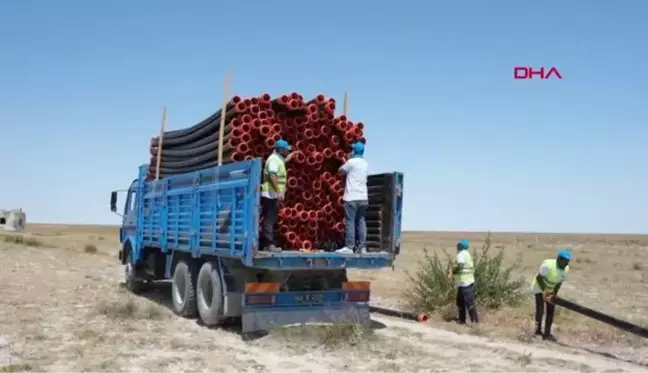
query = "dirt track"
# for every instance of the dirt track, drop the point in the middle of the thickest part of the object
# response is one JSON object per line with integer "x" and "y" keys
{"x": 63, "y": 310}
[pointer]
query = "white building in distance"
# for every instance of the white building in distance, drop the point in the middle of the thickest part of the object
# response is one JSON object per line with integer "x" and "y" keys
{"x": 12, "y": 220}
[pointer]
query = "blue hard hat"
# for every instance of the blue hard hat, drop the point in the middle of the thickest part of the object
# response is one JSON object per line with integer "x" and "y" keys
{"x": 565, "y": 254}
{"x": 464, "y": 244}
{"x": 358, "y": 147}
{"x": 282, "y": 144}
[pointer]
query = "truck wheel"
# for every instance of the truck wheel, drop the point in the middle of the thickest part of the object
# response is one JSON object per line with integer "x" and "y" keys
{"x": 133, "y": 284}
{"x": 210, "y": 296}
{"x": 183, "y": 289}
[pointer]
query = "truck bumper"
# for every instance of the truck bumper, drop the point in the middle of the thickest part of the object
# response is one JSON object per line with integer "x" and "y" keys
{"x": 265, "y": 319}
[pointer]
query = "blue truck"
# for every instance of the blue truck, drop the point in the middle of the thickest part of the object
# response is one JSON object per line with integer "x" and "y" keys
{"x": 200, "y": 230}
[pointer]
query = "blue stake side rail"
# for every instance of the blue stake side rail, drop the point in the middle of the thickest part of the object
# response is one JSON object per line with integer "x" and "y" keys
{"x": 215, "y": 212}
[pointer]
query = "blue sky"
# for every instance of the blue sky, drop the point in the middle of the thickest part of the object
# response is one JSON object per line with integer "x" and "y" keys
{"x": 82, "y": 84}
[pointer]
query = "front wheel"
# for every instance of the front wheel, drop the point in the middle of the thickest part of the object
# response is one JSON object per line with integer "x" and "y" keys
{"x": 132, "y": 282}
{"x": 210, "y": 294}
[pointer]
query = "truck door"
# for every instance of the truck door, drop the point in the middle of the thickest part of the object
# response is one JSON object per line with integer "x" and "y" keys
{"x": 129, "y": 222}
{"x": 385, "y": 212}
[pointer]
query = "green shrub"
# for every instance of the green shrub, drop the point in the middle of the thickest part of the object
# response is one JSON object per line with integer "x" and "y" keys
{"x": 496, "y": 283}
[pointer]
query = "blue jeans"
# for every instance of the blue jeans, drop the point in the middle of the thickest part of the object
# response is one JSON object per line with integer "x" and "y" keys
{"x": 355, "y": 224}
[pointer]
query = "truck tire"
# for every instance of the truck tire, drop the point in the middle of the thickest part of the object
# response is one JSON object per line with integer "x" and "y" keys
{"x": 131, "y": 280}
{"x": 183, "y": 289}
{"x": 210, "y": 295}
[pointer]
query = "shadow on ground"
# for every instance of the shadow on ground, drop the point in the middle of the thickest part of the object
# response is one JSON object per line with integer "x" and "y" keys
{"x": 160, "y": 292}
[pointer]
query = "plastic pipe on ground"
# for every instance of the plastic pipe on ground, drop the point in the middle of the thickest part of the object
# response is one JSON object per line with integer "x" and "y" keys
{"x": 420, "y": 317}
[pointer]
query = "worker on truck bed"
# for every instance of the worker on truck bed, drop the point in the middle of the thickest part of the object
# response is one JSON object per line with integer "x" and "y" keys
{"x": 546, "y": 284}
{"x": 273, "y": 191}
{"x": 463, "y": 273}
{"x": 356, "y": 201}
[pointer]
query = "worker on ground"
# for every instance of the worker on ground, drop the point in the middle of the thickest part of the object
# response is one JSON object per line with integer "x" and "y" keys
{"x": 356, "y": 201}
{"x": 546, "y": 284}
{"x": 463, "y": 273}
{"x": 273, "y": 192}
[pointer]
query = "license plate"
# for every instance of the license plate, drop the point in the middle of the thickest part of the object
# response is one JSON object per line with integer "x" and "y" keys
{"x": 309, "y": 298}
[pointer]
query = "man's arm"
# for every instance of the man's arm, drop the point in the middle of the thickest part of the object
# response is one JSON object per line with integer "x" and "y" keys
{"x": 555, "y": 292}
{"x": 540, "y": 277}
{"x": 461, "y": 261}
{"x": 344, "y": 168}
{"x": 289, "y": 157}
{"x": 273, "y": 169}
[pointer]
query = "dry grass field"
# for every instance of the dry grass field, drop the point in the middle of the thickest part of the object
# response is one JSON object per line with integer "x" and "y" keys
{"x": 62, "y": 309}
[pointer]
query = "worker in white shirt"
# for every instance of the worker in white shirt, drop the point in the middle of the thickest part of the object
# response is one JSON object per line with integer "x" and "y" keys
{"x": 356, "y": 201}
{"x": 463, "y": 273}
{"x": 546, "y": 283}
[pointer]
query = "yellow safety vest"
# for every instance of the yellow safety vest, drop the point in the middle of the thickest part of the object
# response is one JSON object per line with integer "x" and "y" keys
{"x": 553, "y": 277}
{"x": 282, "y": 175}
{"x": 467, "y": 272}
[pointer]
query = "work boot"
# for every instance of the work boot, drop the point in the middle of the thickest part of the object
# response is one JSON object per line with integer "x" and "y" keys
{"x": 344, "y": 250}
{"x": 474, "y": 317}
{"x": 273, "y": 249}
{"x": 362, "y": 250}
{"x": 549, "y": 338}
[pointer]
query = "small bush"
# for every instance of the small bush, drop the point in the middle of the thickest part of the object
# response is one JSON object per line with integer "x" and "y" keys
{"x": 20, "y": 239}
{"x": 90, "y": 248}
{"x": 496, "y": 283}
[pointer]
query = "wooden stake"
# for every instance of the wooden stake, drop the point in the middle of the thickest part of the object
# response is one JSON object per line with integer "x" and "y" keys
{"x": 160, "y": 140}
{"x": 221, "y": 132}
{"x": 345, "y": 106}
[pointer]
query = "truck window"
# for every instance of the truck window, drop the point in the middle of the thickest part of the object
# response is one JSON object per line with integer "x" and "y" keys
{"x": 130, "y": 201}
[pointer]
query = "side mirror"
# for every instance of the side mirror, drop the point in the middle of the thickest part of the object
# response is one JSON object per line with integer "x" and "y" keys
{"x": 113, "y": 201}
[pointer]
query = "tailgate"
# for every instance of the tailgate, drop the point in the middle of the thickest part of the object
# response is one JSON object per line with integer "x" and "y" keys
{"x": 385, "y": 212}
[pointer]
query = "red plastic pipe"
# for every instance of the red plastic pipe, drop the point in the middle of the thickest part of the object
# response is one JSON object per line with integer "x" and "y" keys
{"x": 276, "y": 128}
{"x": 292, "y": 182}
{"x": 318, "y": 100}
{"x": 312, "y": 108}
{"x": 307, "y": 245}
{"x": 242, "y": 148}
{"x": 246, "y": 118}
{"x": 299, "y": 156}
{"x": 265, "y": 130}
{"x": 240, "y": 107}
{"x": 339, "y": 227}
{"x": 325, "y": 131}
{"x": 235, "y": 123}
{"x": 269, "y": 143}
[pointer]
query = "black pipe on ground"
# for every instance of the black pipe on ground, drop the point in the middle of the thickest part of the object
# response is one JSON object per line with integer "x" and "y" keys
{"x": 420, "y": 317}
{"x": 607, "y": 319}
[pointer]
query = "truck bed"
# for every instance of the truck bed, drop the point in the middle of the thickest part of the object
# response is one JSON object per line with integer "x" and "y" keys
{"x": 216, "y": 212}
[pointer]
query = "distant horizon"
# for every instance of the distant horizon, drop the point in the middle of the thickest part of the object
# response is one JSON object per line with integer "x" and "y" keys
{"x": 84, "y": 84}
{"x": 408, "y": 231}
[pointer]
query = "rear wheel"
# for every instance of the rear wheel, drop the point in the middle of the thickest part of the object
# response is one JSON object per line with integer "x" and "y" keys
{"x": 210, "y": 294}
{"x": 183, "y": 289}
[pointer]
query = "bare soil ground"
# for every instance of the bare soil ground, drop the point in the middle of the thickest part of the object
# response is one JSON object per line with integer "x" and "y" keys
{"x": 62, "y": 309}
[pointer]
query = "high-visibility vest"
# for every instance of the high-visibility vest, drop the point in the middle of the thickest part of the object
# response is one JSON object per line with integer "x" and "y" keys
{"x": 281, "y": 175}
{"x": 467, "y": 272}
{"x": 553, "y": 277}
